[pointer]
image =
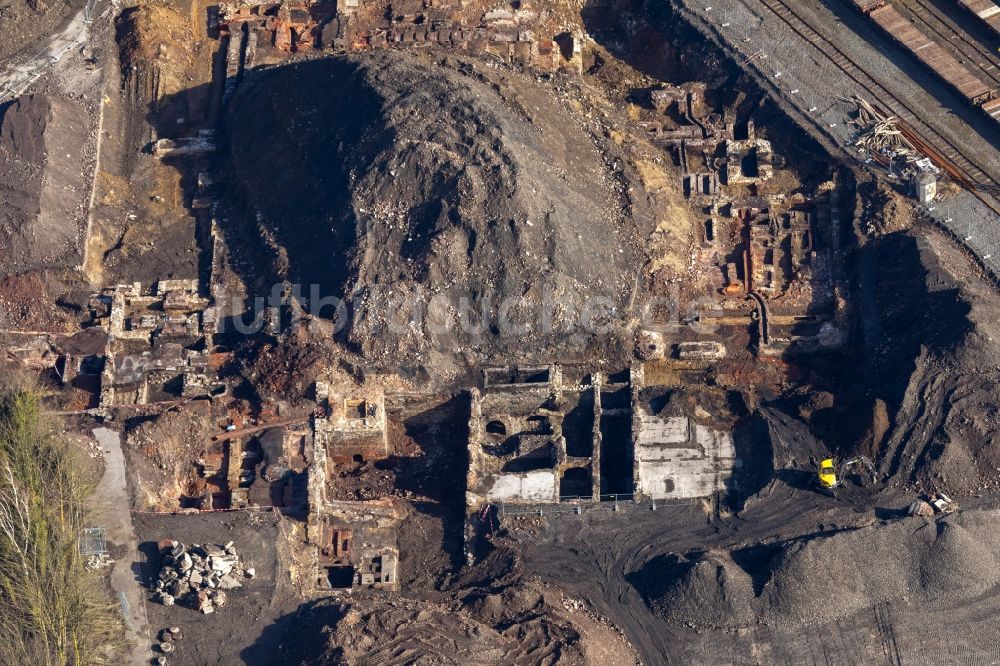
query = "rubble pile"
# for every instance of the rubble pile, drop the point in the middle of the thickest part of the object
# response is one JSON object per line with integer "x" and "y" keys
{"x": 199, "y": 576}
{"x": 98, "y": 561}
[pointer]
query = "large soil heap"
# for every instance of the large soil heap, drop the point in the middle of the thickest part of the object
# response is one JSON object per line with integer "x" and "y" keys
{"x": 397, "y": 181}
{"x": 822, "y": 578}
{"x": 41, "y": 183}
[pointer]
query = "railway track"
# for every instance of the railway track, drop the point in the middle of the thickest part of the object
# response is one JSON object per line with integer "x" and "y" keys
{"x": 986, "y": 63}
{"x": 949, "y": 157}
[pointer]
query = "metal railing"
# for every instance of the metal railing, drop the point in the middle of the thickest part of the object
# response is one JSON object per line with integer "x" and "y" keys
{"x": 578, "y": 505}
{"x": 92, "y": 541}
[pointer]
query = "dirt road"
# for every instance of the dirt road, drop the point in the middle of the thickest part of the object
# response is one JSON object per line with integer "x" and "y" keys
{"x": 111, "y": 512}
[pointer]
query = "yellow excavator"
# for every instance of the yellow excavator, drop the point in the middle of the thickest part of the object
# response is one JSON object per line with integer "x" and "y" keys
{"x": 830, "y": 477}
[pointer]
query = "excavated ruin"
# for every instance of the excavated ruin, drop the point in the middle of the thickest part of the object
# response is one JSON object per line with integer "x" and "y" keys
{"x": 490, "y": 453}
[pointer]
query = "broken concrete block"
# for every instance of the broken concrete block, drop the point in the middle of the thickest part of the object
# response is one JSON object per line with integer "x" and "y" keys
{"x": 221, "y": 564}
{"x": 250, "y": 573}
{"x": 702, "y": 350}
{"x": 197, "y": 576}
{"x": 167, "y": 599}
{"x": 227, "y": 582}
{"x": 203, "y": 603}
{"x": 185, "y": 562}
{"x": 651, "y": 345}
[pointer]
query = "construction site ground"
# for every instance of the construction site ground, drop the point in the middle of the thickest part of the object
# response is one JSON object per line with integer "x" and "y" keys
{"x": 521, "y": 179}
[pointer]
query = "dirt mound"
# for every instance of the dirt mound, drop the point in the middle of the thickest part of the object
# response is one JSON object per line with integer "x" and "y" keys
{"x": 406, "y": 631}
{"x": 521, "y": 623}
{"x": 287, "y": 368}
{"x": 157, "y": 36}
{"x": 887, "y": 210}
{"x": 39, "y": 301}
{"x": 937, "y": 349}
{"x": 951, "y": 559}
{"x": 710, "y": 590}
{"x": 42, "y": 184}
{"x": 161, "y": 450}
{"x": 431, "y": 192}
{"x": 822, "y": 578}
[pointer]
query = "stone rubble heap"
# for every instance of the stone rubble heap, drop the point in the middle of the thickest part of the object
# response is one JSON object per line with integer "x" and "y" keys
{"x": 99, "y": 561}
{"x": 199, "y": 576}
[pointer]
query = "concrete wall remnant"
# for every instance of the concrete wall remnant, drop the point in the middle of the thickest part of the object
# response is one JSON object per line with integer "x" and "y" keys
{"x": 748, "y": 161}
{"x": 350, "y": 424}
{"x": 708, "y": 350}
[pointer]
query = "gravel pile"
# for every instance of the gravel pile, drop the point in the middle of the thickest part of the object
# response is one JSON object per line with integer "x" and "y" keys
{"x": 710, "y": 591}
{"x": 199, "y": 576}
{"x": 916, "y": 559}
{"x": 813, "y": 580}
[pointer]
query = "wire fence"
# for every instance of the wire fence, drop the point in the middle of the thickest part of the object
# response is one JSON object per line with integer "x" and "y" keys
{"x": 578, "y": 505}
{"x": 126, "y": 611}
{"x": 92, "y": 541}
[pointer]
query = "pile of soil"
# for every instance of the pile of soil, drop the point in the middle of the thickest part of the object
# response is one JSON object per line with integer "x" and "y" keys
{"x": 406, "y": 183}
{"x": 40, "y": 301}
{"x": 886, "y": 210}
{"x": 932, "y": 355}
{"x": 161, "y": 452}
{"x": 156, "y": 36}
{"x": 410, "y": 631}
{"x": 288, "y": 367}
{"x": 819, "y": 578}
{"x": 918, "y": 392}
{"x": 43, "y": 185}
